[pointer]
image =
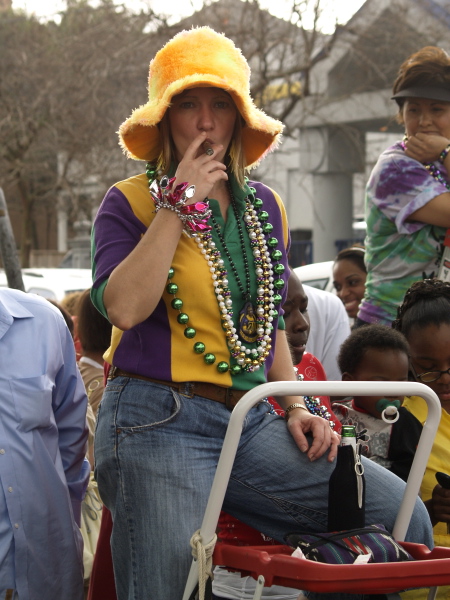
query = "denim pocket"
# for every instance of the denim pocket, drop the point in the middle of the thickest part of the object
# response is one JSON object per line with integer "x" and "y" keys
{"x": 143, "y": 405}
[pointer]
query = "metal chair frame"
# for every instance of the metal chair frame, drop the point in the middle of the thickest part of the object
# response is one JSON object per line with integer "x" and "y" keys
{"x": 267, "y": 566}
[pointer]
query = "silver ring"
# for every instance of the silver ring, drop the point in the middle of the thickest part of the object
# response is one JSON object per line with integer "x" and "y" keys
{"x": 209, "y": 151}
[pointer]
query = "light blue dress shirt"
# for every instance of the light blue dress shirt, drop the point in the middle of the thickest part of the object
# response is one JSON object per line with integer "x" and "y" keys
{"x": 43, "y": 435}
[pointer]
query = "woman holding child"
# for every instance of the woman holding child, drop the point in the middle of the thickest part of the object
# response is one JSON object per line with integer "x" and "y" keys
{"x": 182, "y": 264}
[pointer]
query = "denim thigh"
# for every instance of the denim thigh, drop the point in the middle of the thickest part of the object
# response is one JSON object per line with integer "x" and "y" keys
{"x": 156, "y": 452}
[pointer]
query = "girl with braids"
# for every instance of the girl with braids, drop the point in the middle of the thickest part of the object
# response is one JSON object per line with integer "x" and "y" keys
{"x": 407, "y": 195}
{"x": 190, "y": 266}
{"x": 424, "y": 319}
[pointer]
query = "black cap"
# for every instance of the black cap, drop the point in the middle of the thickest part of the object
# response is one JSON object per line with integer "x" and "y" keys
{"x": 442, "y": 94}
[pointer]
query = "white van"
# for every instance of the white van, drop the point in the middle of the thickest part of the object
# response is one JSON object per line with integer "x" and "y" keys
{"x": 53, "y": 284}
{"x": 318, "y": 275}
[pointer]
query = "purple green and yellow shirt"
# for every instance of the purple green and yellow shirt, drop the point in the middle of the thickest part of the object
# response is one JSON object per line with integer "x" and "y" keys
{"x": 157, "y": 347}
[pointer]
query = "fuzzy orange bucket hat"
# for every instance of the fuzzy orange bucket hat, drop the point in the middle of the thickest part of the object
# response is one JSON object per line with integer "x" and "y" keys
{"x": 200, "y": 57}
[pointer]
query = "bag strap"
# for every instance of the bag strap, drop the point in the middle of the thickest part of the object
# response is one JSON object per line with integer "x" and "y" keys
{"x": 339, "y": 536}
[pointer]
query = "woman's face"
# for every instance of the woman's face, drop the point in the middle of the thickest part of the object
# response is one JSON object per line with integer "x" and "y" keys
{"x": 296, "y": 317}
{"x": 202, "y": 109}
{"x": 431, "y": 117}
{"x": 349, "y": 281}
{"x": 430, "y": 351}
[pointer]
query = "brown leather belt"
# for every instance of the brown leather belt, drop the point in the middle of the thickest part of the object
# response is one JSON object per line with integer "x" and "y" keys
{"x": 226, "y": 396}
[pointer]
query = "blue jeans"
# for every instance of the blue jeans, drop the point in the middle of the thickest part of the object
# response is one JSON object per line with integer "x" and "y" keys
{"x": 156, "y": 453}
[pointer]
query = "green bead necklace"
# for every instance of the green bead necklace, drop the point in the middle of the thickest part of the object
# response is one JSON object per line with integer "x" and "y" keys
{"x": 268, "y": 271}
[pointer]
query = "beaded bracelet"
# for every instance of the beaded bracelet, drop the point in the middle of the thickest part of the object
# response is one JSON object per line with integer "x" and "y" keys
{"x": 193, "y": 216}
{"x": 443, "y": 154}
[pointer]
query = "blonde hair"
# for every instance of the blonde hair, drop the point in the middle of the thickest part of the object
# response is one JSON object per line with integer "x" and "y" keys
{"x": 236, "y": 153}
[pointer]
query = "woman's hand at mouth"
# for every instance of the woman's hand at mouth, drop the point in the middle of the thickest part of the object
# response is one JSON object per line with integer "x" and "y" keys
{"x": 425, "y": 147}
{"x": 200, "y": 168}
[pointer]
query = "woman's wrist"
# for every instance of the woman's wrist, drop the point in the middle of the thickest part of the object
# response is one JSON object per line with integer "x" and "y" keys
{"x": 294, "y": 406}
{"x": 445, "y": 152}
{"x": 168, "y": 220}
{"x": 194, "y": 216}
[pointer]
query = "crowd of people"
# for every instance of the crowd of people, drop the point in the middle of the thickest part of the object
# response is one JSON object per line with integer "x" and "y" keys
{"x": 117, "y": 401}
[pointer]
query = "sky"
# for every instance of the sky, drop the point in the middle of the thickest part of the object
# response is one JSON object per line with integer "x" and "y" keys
{"x": 334, "y": 10}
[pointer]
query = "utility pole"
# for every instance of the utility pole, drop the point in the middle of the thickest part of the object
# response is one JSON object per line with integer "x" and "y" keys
{"x": 8, "y": 248}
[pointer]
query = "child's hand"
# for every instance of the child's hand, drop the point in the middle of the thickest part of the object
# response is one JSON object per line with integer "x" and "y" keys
{"x": 439, "y": 505}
